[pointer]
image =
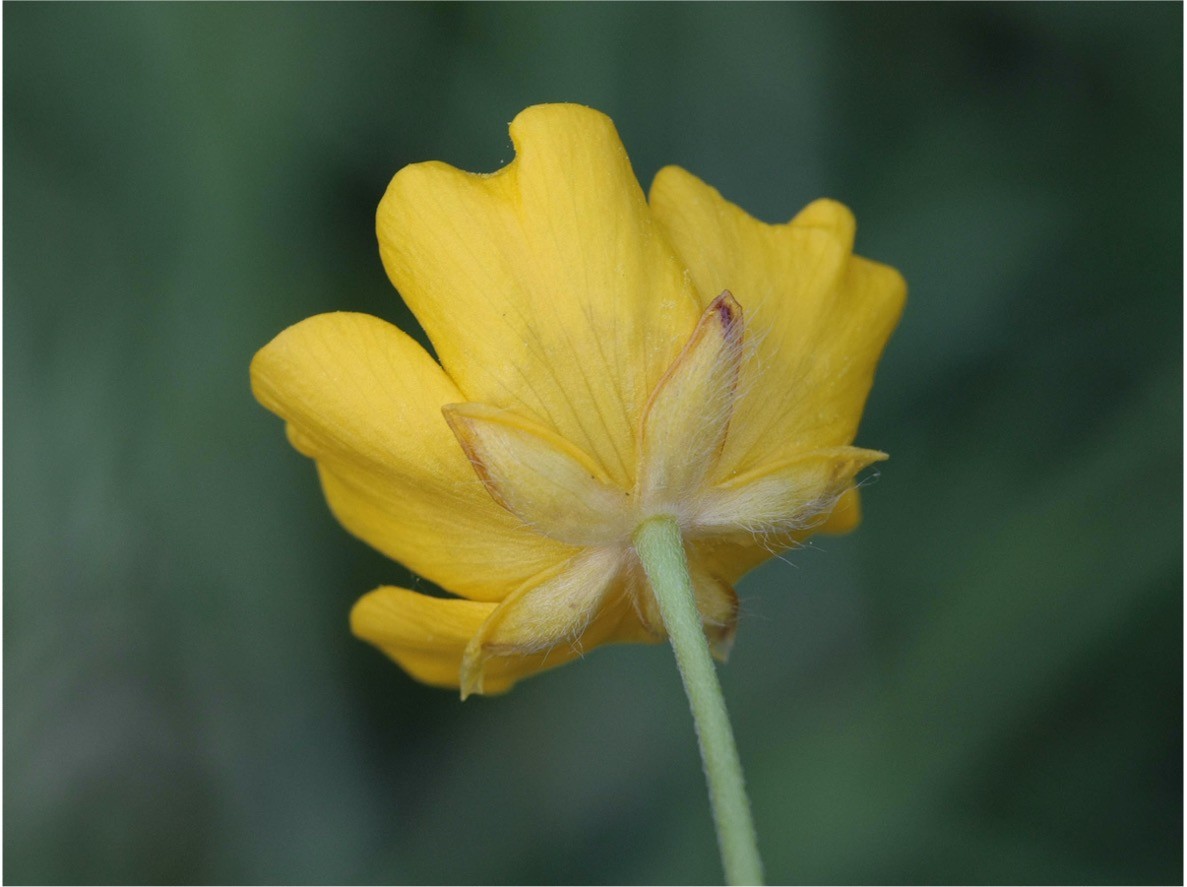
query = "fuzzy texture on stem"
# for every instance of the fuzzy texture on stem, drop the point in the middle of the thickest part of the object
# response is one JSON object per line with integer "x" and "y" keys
{"x": 660, "y": 547}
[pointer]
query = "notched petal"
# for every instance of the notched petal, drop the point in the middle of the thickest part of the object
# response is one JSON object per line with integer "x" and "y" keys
{"x": 541, "y": 616}
{"x": 538, "y": 476}
{"x": 545, "y": 287}
{"x": 825, "y": 316}
{"x": 795, "y": 495}
{"x": 831, "y": 216}
{"x": 687, "y": 418}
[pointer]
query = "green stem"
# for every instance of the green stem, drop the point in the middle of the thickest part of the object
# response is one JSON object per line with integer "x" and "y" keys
{"x": 661, "y": 549}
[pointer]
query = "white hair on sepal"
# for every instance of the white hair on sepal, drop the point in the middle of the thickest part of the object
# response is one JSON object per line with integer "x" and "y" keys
{"x": 781, "y": 536}
{"x": 756, "y": 363}
{"x": 779, "y": 502}
{"x": 717, "y": 411}
{"x": 807, "y": 515}
{"x": 750, "y": 366}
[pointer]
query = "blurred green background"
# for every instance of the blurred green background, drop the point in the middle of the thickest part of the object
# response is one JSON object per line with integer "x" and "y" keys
{"x": 984, "y": 684}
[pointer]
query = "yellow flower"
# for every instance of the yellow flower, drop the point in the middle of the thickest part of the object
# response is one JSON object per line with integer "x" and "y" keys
{"x": 595, "y": 370}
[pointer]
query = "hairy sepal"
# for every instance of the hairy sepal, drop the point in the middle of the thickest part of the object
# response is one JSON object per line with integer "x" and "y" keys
{"x": 790, "y": 496}
{"x": 686, "y": 420}
{"x": 541, "y": 478}
{"x": 540, "y": 616}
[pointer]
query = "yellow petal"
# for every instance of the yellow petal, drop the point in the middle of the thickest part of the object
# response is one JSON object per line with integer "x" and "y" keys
{"x": 685, "y": 422}
{"x": 552, "y": 613}
{"x": 846, "y": 514}
{"x": 425, "y": 635}
{"x": 733, "y": 556}
{"x": 818, "y": 315}
{"x": 546, "y": 287}
{"x": 790, "y": 497}
{"x": 539, "y": 477}
{"x": 364, "y": 400}
{"x": 428, "y": 636}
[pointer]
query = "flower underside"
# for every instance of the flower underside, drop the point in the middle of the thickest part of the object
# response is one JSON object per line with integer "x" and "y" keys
{"x": 560, "y": 492}
{"x": 589, "y": 374}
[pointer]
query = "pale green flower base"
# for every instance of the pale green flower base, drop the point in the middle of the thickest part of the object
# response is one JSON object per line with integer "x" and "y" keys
{"x": 661, "y": 550}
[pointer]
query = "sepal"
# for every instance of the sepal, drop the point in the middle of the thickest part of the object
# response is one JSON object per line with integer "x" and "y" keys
{"x": 541, "y": 478}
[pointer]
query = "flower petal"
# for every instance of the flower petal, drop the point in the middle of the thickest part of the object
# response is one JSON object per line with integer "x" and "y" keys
{"x": 846, "y": 514}
{"x": 427, "y": 636}
{"x": 364, "y": 400}
{"x": 539, "y": 477}
{"x": 795, "y": 496}
{"x": 732, "y": 557}
{"x": 546, "y": 287}
{"x": 544, "y": 615}
{"x": 686, "y": 419}
{"x": 819, "y": 316}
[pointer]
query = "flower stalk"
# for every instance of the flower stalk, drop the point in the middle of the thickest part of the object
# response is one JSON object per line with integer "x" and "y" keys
{"x": 660, "y": 547}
